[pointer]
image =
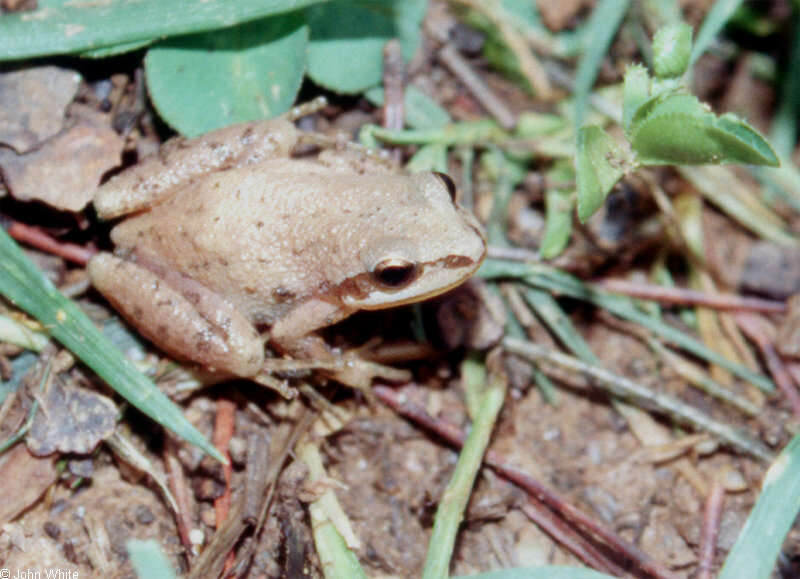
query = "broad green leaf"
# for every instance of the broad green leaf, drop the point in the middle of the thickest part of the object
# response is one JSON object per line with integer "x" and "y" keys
{"x": 348, "y": 36}
{"x": 598, "y": 166}
{"x": 205, "y": 81}
{"x": 61, "y": 26}
{"x": 672, "y": 46}
{"x": 669, "y": 102}
{"x": 678, "y": 129}
{"x": 743, "y": 144}
{"x": 756, "y": 550}
{"x": 635, "y": 92}
{"x": 115, "y": 49}
{"x": 25, "y": 286}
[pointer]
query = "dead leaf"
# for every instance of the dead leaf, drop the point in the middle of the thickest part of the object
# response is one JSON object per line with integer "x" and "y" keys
{"x": 70, "y": 419}
{"x": 471, "y": 316}
{"x": 32, "y": 104}
{"x": 65, "y": 171}
{"x": 28, "y": 476}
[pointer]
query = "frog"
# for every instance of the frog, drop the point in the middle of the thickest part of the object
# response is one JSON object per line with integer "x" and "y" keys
{"x": 256, "y": 236}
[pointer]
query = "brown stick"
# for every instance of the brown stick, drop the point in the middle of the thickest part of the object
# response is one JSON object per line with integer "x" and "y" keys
{"x": 712, "y": 516}
{"x": 563, "y": 534}
{"x": 756, "y": 328}
{"x": 459, "y": 66}
{"x": 37, "y": 238}
{"x": 179, "y": 488}
{"x": 223, "y": 432}
{"x": 689, "y": 297}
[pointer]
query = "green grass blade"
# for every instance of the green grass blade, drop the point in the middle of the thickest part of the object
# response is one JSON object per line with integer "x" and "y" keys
{"x": 561, "y": 283}
{"x": 329, "y": 522}
{"x": 422, "y": 112}
{"x": 14, "y": 332}
{"x": 149, "y": 560}
{"x": 603, "y": 26}
{"x": 756, "y": 550}
{"x": 69, "y": 27}
{"x": 783, "y": 132}
{"x": 23, "y": 284}
{"x": 549, "y": 572}
{"x": 715, "y": 20}
{"x": 454, "y": 501}
{"x": 723, "y": 189}
{"x": 338, "y": 561}
{"x": 549, "y": 311}
{"x": 559, "y": 204}
{"x": 626, "y": 309}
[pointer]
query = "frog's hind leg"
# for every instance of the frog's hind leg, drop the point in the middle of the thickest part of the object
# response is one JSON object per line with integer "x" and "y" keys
{"x": 181, "y": 162}
{"x": 184, "y": 324}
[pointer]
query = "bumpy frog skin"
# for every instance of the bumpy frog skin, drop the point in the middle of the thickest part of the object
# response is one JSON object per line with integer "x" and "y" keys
{"x": 231, "y": 230}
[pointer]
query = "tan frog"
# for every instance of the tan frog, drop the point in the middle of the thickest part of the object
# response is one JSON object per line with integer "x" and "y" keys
{"x": 234, "y": 230}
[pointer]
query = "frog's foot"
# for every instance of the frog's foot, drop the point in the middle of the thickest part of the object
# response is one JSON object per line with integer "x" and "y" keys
{"x": 356, "y": 372}
{"x": 349, "y": 369}
{"x": 281, "y": 386}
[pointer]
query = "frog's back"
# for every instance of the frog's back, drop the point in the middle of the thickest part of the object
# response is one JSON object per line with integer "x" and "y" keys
{"x": 267, "y": 239}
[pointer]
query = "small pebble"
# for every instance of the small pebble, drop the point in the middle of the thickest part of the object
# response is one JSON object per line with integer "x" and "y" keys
{"x": 52, "y": 530}
{"x": 144, "y": 515}
{"x": 197, "y": 537}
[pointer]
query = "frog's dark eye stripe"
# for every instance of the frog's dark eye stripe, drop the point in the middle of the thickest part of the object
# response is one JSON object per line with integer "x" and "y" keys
{"x": 394, "y": 273}
{"x": 448, "y": 183}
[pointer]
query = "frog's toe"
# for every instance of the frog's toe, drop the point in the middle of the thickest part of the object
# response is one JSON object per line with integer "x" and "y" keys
{"x": 360, "y": 373}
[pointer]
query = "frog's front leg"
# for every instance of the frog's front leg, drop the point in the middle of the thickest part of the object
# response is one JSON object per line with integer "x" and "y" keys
{"x": 294, "y": 335}
{"x": 180, "y": 316}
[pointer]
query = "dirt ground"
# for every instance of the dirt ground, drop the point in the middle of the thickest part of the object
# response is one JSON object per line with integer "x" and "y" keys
{"x": 639, "y": 475}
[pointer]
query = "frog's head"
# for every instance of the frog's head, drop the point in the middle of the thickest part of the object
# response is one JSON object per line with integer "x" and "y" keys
{"x": 429, "y": 246}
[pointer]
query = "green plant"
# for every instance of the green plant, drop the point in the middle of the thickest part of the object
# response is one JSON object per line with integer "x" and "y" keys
{"x": 220, "y": 62}
{"x": 664, "y": 125}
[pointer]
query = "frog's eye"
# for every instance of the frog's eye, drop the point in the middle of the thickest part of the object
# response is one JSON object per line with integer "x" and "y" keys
{"x": 448, "y": 183}
{"x": 394, "y": 272}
